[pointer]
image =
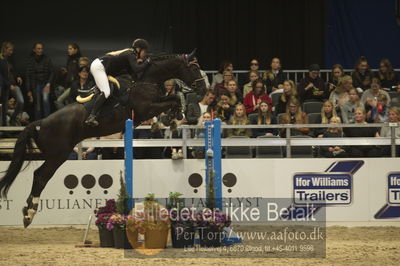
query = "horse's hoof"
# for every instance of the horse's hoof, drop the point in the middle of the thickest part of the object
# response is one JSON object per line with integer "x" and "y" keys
{"x": 179, "y": 116}
{"x": 27, "y": 221}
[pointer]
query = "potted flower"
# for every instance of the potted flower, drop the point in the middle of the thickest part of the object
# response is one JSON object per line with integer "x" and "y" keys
{"x": 182, "y": 222}
{"x": 134, "y": 226}
{"x": 211, "y": 224}
{"x": 103, "y": 215}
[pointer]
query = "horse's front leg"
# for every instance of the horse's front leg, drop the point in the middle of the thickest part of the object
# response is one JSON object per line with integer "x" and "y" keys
{"x": 157, "y": 108}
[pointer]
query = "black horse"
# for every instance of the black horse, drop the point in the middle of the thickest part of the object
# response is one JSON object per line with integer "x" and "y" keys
{"x": 62, "y": 130}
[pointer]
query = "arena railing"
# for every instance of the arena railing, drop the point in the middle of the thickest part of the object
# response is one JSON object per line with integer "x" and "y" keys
{"x": 295, "y": 75}
{"x": 289, "y": 141}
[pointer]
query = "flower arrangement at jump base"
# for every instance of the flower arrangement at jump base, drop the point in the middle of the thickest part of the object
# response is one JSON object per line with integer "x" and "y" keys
{"x": 103, "y": 215}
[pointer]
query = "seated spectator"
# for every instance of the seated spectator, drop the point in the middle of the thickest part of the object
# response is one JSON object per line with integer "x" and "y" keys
{"x": 239, "y": 118}
{"x": 336, "y": 73}
{"x": 83, "y": 83}
{"x": 83, "y": 61}
{"x": 370, "y": 96}
{"x": 87, "y": 153}
{"x": 224, "y": 109}
{"x": 362, "y": 75}
{"x": 235, "y": 95}
{"x": 347, "y": 109}
{"x": 195, "y": 110}
{"x": 289, "y": 90}
{"x": 112, "y": 153}
{"x": 394, "y": 117}
{"x": 170, "y": 89}
{"x": 333, "y": 132}
{"x": 223, "y": 86}
{"x": 327, "y": 112}
{"x": 340, "y": 95}
{"x": 312, "y": 87}
{"x": 153, "y": 133}
{"x": 198, "y": 152}
{"x": 219, "y": 77}
{"x": 379, "y": 113}
{"x": 254, "y": 98}
{"x": 253, "y": 75}
{"x": 294, "y": 115}
{"x": 264, "y": 117}
{"x": 22, "y": 119}
{"x": 39, "y": 77}
{"x": 274, "y": 77}
{"x": 388, "y": 78}
{"x": 362, "y": 151}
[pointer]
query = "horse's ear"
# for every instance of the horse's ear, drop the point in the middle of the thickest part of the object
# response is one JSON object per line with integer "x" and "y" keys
{"x": 192, "y": 55}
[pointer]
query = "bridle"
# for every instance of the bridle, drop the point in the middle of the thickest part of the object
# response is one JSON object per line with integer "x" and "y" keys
{"x": 195, "y": 63}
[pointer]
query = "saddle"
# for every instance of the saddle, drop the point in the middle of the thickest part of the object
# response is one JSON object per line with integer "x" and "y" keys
{"x": 85, "y": 96}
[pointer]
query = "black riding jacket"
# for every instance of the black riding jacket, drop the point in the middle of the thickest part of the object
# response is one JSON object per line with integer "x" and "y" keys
{"x": 124, "y": 61}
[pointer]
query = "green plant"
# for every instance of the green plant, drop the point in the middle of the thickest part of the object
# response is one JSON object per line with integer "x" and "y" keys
{"x": 174, "y": 201}
{"x": 123, "y": 198}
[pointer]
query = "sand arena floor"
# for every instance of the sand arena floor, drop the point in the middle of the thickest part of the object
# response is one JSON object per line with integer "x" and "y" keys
{"x": 56, "y": 246}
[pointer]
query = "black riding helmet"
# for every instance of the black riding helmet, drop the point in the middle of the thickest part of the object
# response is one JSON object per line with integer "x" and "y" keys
{"x": 141, "y": 44}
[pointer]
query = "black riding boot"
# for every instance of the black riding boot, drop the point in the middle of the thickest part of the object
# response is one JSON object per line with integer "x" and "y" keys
{"x": 91, "y": 120}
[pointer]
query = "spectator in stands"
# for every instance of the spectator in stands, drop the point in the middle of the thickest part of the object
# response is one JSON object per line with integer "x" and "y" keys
{"x": 312, "y": 87}
{"x": 198, "y": 152}
{"x": 87, "y": 153}
{"x": 70, "y": 74}
{"x": 170, "y": 89}
{"x": 22, "y": 119}
{"x": 153, "y": 133}
{"x": 254, "y": 98}
{"x": 340, "y": 95}
{"x": 235, "y": 95}
{"x": 362, "y": 151}
{"x": 224, "y": 109}
{"x": 84, "y": 61}
{"x": 347, "y": 109}
{"x": 362, "y": 75}
{"x": 39, "y": 77}
{"x": 388, "y": 78}
{"x": 239, "y": 118}
{"x": 379, "y": 113}
{"x": 219, "y": 77}
{"x": 327, "y": 112}
{"x": 195, "y": 110}
{"x": 274, "y": 77}
{"x": 254, "y": 65}
{"x": 223, "y": 86}
{"x": 253, "y": 75}
{"x": 83, "y": 83}
{"x": 394, "y": 117}
{"x": 336, "y": 73}
{"x": 11, "y": 84}
{"x": 333, "y": 132}
{"x": 289, "y": 90}
{"x": 264, "y": 117}
{"x": 294, "y": 115}
{"x": 370, "y": 96}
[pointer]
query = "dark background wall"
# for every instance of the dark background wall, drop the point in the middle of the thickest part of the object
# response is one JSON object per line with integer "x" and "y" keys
{"x": 224, "y": 29}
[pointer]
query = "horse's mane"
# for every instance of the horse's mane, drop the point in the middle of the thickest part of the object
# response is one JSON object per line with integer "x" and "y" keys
{"x": 160, "y": 57}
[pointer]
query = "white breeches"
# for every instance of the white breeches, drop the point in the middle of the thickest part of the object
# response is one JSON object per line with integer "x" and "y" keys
{"x": 100, "y": 77}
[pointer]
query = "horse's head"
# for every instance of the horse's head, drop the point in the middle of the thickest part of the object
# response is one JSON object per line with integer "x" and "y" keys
{"x": 190, "y": 73}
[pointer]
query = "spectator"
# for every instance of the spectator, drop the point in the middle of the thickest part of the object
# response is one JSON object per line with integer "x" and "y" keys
{"x": 219, "y": 77}
{"x": 84, "y": 61}
{"x": 294, "y": 115}
{"x": 264, "y": 117}
{"x": 312, "y": 87}
{"x": 388, "y": 78}
{"x": 39, "y": 76}
{"x": 340, "y": 95}
{"x": 153, "y": 133}
{"x": 379, "y": 113}
{"x": 274, "y": 77}
{"x": 327, "y": 112}
{"x": 22, "y": 119}
{"x": 235, "y": 95}
{"x": 254, "y": 65}
{"x": 347, "y": 109}
{"x": 362, "y": 151}
{"x": 253, "y": 75}
{"x": 198, "y": 152}
{"x": 254, "y": 98}
{"x": 393, "y": 117}
{"x": 195, "y": 110}
{"x": 336, "y": 74}
{"x": 84, "y": 83}
{"x": 289, "y": 90}
{"x": 170, "y": 89}
{"x": 224, "y": 109}
{"x": 370, "y": 96}
{"x": 223, "y": 86}
{"x": 87, "y": 153}
{"x": 11, "y": 84}
{"x": 362, "y": 75}
{"x": 239, "y": 118}
{"x": 333, "y": 132}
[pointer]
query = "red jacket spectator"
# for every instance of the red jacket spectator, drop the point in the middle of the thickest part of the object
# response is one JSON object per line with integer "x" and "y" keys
{"x": 254, "y": 98}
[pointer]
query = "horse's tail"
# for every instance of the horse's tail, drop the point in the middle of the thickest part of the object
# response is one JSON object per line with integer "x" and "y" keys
{"x": 18, "y": 158}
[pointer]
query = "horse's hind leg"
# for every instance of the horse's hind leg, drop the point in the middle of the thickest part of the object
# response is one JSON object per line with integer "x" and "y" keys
{"x": 41, "y": 176}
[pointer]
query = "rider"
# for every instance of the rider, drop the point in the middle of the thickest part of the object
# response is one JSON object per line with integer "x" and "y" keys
{"x": 133, "y": 60}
